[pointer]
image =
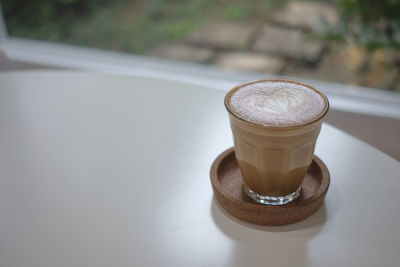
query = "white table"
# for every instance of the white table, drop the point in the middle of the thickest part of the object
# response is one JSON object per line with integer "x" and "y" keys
{"x": 107, "y": 170}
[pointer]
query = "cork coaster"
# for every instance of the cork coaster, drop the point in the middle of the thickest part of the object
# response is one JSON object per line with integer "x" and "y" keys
{"x": 226, "y": 180}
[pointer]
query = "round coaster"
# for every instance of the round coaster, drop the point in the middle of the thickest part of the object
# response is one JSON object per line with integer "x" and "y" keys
{"x": 226, "y": 180}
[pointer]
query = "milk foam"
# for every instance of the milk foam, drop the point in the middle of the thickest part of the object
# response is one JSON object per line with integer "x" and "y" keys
{"x": 276, "y": 103}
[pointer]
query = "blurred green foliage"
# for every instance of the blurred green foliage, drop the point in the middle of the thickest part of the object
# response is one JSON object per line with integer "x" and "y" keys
{"x": 36, "y": 18}
{"x": 133, "y": 26}
{"x": 369, "y": 23}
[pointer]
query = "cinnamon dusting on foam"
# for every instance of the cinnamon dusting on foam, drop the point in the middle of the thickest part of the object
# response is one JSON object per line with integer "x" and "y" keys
{"x": 276, "y": 103}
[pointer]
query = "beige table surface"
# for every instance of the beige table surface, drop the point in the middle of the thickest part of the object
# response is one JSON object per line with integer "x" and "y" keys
{"x": 108, "y": 170}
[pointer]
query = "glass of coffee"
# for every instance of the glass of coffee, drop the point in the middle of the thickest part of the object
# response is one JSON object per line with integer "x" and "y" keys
{"x": 275, "y": 125}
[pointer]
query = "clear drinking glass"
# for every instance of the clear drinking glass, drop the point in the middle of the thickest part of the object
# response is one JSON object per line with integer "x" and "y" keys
{"x": 274, "y": 159}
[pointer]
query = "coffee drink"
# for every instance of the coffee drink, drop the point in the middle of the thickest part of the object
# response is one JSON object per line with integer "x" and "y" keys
{"x": 278, "y": 103}
{"x": 275, "y": 125}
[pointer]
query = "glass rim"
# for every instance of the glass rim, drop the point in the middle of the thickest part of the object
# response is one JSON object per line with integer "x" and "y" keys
{"x": 321, "y": 115}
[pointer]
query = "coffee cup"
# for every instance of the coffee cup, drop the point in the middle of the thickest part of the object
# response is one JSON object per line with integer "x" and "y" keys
{"x": 275, "y": 125}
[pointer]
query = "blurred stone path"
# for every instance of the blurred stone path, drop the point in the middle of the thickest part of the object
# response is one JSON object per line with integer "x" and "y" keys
{"x": 284, "y": 45}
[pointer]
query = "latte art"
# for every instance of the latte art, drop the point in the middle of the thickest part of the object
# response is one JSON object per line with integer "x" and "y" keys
{"x": 281, "y": 102}
{"x": 276, "y": 103}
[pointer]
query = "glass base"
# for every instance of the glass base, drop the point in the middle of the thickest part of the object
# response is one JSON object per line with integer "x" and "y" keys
{"x": 271, "y": 200}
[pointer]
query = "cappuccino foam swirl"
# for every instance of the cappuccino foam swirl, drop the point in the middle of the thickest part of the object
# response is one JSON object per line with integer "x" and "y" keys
{"x": 276, "y": 103}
